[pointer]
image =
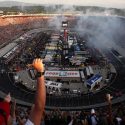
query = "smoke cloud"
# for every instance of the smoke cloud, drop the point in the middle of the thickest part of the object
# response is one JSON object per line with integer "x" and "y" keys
{"x": 56, "y": 21}
{"x": 102, "y": 31}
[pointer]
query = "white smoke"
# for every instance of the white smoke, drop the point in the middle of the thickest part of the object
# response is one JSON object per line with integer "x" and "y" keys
{"x": 63, "y": 9}
{"x": 56, "y": 20}
{"x": 102, "y": 31}
{"x": 105, "y": 12}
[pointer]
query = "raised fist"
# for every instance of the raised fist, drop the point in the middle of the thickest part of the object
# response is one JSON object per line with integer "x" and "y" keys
{"x": 38, "y": 65}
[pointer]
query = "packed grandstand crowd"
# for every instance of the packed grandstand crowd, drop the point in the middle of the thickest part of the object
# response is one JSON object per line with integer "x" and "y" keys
{"x": 108, "y": 115}
{"x": 12, "y": 27}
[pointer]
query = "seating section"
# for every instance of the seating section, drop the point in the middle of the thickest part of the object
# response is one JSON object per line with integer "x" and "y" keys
{"x": 12, "y": 27}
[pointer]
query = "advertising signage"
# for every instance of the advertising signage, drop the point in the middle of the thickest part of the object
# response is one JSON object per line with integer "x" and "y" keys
{"x": 62, "y": 74}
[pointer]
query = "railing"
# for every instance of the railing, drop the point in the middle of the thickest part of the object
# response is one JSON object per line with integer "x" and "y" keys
{"x": 114, "y": 101}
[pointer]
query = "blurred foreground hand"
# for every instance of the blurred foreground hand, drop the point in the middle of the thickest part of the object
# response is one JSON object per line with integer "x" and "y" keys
{"x": 108, "y": 97}
{"x": 38, "y": 65}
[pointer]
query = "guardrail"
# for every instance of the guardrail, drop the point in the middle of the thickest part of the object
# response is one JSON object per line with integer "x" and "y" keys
{"x": 114, "y": 101}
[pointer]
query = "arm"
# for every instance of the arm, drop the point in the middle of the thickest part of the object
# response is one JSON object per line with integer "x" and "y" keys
{"x": 13, "y": 111}
{"x": 40, "y": 97}
{"x": 109, "y": 108}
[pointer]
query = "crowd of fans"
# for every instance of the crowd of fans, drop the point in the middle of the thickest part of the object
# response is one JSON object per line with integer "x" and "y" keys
{"x": 12, "y": 27}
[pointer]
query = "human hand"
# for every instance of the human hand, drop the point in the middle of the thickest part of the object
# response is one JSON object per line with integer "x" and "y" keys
{"x": 108, "y": 97}
{"x": 7, "y": 98}
{"x": 38, "y": 65}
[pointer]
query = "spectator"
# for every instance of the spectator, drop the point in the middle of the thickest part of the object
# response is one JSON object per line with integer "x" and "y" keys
{"x": 93, "y": 119}
{"x": 123, "y": 120}
{"x": 103, "y": 118}
{"x": 83, "y": 118}
{"x": 5, "y": 110}
{"x": 37, "y": 111}
{"x": 14, "y": 113}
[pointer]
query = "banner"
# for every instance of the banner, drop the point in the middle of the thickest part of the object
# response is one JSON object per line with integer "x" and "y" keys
{"x": 62, "y": 74}
{"x": 52, "y": 84}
